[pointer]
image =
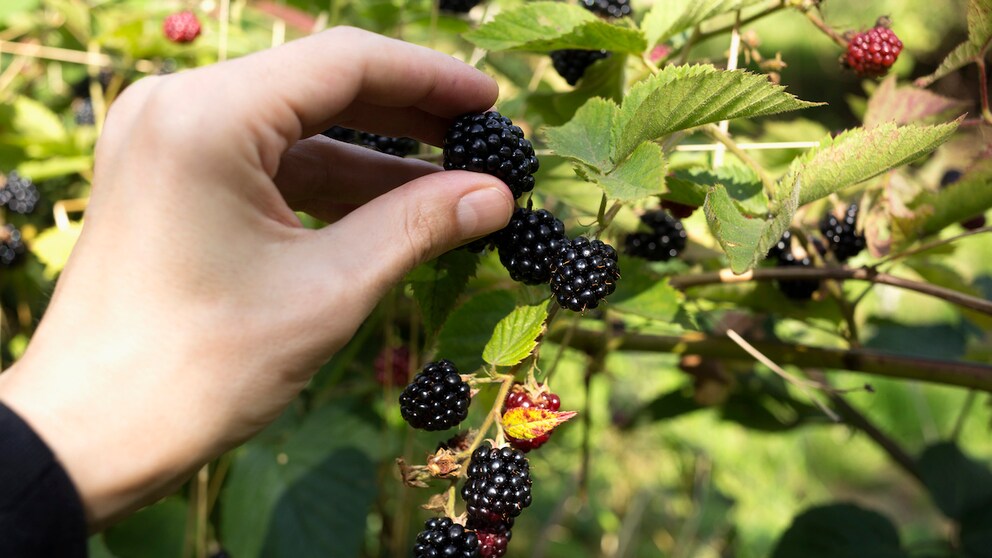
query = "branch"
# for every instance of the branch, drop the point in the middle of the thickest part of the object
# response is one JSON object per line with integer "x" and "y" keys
{"x": 750, "y": 19}
{"x": 717, "y": 134}
{"x": 956, "y": 373}
{"x": 840, "y": 274}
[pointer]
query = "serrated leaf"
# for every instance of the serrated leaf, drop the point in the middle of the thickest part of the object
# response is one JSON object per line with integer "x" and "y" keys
{"x": 528, "y": 423}
{"x": 956, "y": 483}
{"x": 971, "y": 195}
{"x": 964, "y": 54}
{"x": 603, "y": 79}
{"x": 742, "y": 184}
{"x": 470, "y": 327}
{"x": 840, "y": 531}
{"x": 547, "y": 26}
{"x": 586, "y": 138}
{"x": 637, "y": 177}
{"x": 669, "y": 18}
{"x": 980, "y": 24}
{"x": 644, "y": 293}
{"x": 860, "y": 154}
{"x": 438, "y": 284}
{"x": 683, "y": 97}
{"x": 906, "y": 105}
{"x": 515, "y": 336}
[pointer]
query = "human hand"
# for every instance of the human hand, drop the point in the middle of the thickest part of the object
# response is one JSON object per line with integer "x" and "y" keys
{"x": 195, "y": 307}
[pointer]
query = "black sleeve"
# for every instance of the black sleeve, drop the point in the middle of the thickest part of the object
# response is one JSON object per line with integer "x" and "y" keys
{"x": 40, "y": 511}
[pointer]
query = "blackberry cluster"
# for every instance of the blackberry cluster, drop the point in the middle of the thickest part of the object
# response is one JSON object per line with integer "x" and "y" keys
{"x": 521, "y": 399}
{"x": 571, "y": 64}
{"x": 493, "y": 538}
{"x": 529, "y": 243}
{"x": 340, "y": 133}
{"x": 437, "y": 398}
{"x": 872, "y": 53}
{"x": 83, "y": 114}
{"x": 443, "y": 538}
{"x": 584, "y": 273}
{"x": 782, "y": 248}
{"x": 181, "y": 27}
{"x": 11, "y": 245}
{"x": 797, "y": 289}
{"x": 666, "y": 239}
{"x": 19, "y": 194}
{"x": 489, "y": 142}
{"x": 841, "y": 234}
{"x": 458, "y": 6}
{"x": 608, "y": 8}
{"x": 498, "y": 485}
{"x": 400, "y": 147}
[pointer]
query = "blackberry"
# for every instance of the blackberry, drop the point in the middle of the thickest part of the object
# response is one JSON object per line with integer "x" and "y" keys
{"x": 841, "y": 235}
{"x": 571, "y": 64}
{"x": 437, "y": 398}
{"x": 458, "y": 6}
{"x": 520, "y": 398}
{"x": 797, "y": 289}
{"x": 678, "y": 210}
{"x": 498, "y": 484}
{"x": 392, "y": 366}
{"x": 493, "y": 537}
{"x": 442, "y": 537}
{"x": 340, "y": 133}
{"x": 83, "y": 113}
{"x": 11, "y": 246}
{"x": 400, "y": 147}
{"x": 974, "y": 223}
{"x": 950, "y": 177}
{"x": 608, "y": 8}
{"x": 872, "y": 53}
{"x": 584, "y": 273}
{"x": 666, "y": 239}
{"x": 181, "y": 27}
{"x": 529, "y": 243}
{"x": 19, "y": 194}
{"x": 782, "y": 248}
{"x": 489, "y": 142}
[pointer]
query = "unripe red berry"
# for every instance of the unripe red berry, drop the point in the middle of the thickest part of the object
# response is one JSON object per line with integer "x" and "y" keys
{"x": 872, "y": 53}
{"x": 181, "y": 27}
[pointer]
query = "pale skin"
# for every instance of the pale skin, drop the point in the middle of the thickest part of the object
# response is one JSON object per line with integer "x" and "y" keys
{"x": 195, "y": 307}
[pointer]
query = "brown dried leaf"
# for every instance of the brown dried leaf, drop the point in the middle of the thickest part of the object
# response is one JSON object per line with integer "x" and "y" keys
{"x": 528, "y": 423}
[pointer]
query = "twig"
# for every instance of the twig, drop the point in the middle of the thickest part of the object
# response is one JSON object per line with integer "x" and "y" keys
{"x": 983, "y": 88}
{"x": 803, "y": 385}
{"x": 493, "y": 413}
{"x": 44, "y": 52}
{"x": 930, "y": 246}
{"x": 716, "y": 133}
{"x": 750, "y": 19}
{"x": 827, "y": 30}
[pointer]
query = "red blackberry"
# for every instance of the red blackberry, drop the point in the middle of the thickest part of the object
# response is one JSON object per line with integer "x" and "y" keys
{"x": 493, "y": 537}
{"x": 392, "y": 366}
{"x": 181, "y": 27}
{"x": 842, "y": 235}
{"x": 872, "y": 53}
{"x": 489, "y": 142}
{"x": 782, "y": 248}
{"x": 666, "y": 239}
{"x": 400, "y": 147}
{"x": 11, "y": 246}
{"x": 529, "y": 243}
{"x": 443, "y": 537}
{"x": 457, "y": 6}
{"x": 571, "y": 64}
{"x": 340, "y": 133}
{"x": 543, "y": 400}
{"x": 584, "y": 273}
{"x": 797, "y": 289}
{"x": 498, "y": 484}
{"x": 437, "y": 398}
{"x": 678, "y": 210}
{"x": 608, "y": 8}
{"x": 19, "y": 194}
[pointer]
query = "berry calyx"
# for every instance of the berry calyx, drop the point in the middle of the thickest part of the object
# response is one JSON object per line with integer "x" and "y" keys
{"x": 443, "y": 537}
{"x": 584, "y": 272}
{"x": 489, "y": 142}
{"x": 665, "y": 241}
{"x": 572, "y": 64}
{"x": 437, "y": 398}
{"x": 498, "y": 486}
{"x": 19, "y": 194}
{"x": 11, "y": 246}
{"x": 873, "y": 52}
{"x": 529, "y": 244}
{"x": 841, "y": 234}
{"x": 608, "y": 8}
{"x": 181, "y": 27}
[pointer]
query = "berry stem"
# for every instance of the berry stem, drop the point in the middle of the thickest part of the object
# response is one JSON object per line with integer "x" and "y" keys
{"x": 983, "y": 88}
{"x": 717, "y": 134}
{"x": 607, "y": 218}
{"x": 826, "y": 29}
{"x": 750, "y": 19}
{"x": 504, "y": 389}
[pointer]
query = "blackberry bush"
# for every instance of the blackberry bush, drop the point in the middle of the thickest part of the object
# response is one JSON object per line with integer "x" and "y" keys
{"x": 498, "y": 484}
{"x": 19, "y": 194}
{"x": 443, "y": 538}
{"x": 872, "y": 53}
{"x": 437, "y": 398}
{"x": 571, "y": 64}
{"x": 841, "y": 234}
{"x": 665, "y": 241}
{"x": 488, "y": 142}
{"x": 584, "y": 273}
{"x": 529, "y": 243}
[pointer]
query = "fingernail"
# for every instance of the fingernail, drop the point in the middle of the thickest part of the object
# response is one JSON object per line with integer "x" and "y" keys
{"x": 482, "y": 212}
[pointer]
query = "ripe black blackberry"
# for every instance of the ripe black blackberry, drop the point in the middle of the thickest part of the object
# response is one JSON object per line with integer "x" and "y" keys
{"x": 489, "y": 142}
{"x": 841, "y": 234}
{"x": 19, "y": 194}
{"x": 872, "y": 53}
{"x": 458, "y": 6}
{"x": 442, "y": 537}
{"x": 83, "y": 113}
{"x": 608, "y": 8}
{"x": 493, "y": 537}
{"x": 571, "y": 64}
{"x": 583, "y": 273}
{"x": 665, "y": 241}
{"x": 797, "y": 289}
{"x": 950, "y": 177}
{"x": 11, "y": 246}
{"x": 498, "y": 484}
{"x": 529, "y": 244}
{"x": 400, "y": 147}
{"x": 782, "y": 248}
{"x": 340, "y": 133}
{"x": 437, "y": 398}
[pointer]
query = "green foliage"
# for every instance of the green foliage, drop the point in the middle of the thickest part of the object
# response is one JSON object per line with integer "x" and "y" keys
{"x": 667, "y": 19}
{"x": 437, "y": 285}
{"x": 957, "y": 484}
{"x": 840, "y": 531}
{"x": 158, "y": 531}
{"x": 515, "y": 336}
{"x": 467, "y": 332}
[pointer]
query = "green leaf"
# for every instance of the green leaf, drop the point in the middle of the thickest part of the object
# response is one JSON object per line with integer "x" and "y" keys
{"x": 586, "y": 138}
{"x": 515, "y": 336}
{"x": 664, "y": 407}
{"x": 547, "y": 26}
{"x": 906, "y": 105}
{"x": 956, "y": 483}
{"x": 33, "y": 121}
{"x": 301, "y": 489}
{"x": 971, "y": 195}
{"x": 470, "y": 327}
{"x": 55, "y": 166}
{"x": 669, "y": 18}
{"x": 742, "y": 184}
{"x": 158, "y": 531}
{"x": 840, "y": 531}
{"x": 438, "y": 284}
{"x": 964, "y": 54}
{"x": 683, "y": 97}
{"x": 603, "y": 79}
{"x": 53, "y": 246}
{"x": 980, "y": 24}
{"x": 637, "y": 177}
{"x": 976, "y": 532}
{"x": 860, "y": 154}
{"x": 643, "y": 293}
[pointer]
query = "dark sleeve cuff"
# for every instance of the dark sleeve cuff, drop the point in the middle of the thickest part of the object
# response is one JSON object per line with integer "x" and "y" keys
{"x": 41, "y": 514}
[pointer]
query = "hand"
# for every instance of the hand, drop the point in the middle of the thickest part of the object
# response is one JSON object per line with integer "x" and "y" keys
{"x": 195, "y": 307}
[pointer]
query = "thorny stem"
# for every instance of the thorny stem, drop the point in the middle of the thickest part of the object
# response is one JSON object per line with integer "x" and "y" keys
{"x": 930, "y": 246}
{"x": 827, "y": 30}
{"x": 717, "y": 134}
{"x": 606, "y": 219}
{"x": 493, "y": 413}
{"x": 983, "y": 88}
